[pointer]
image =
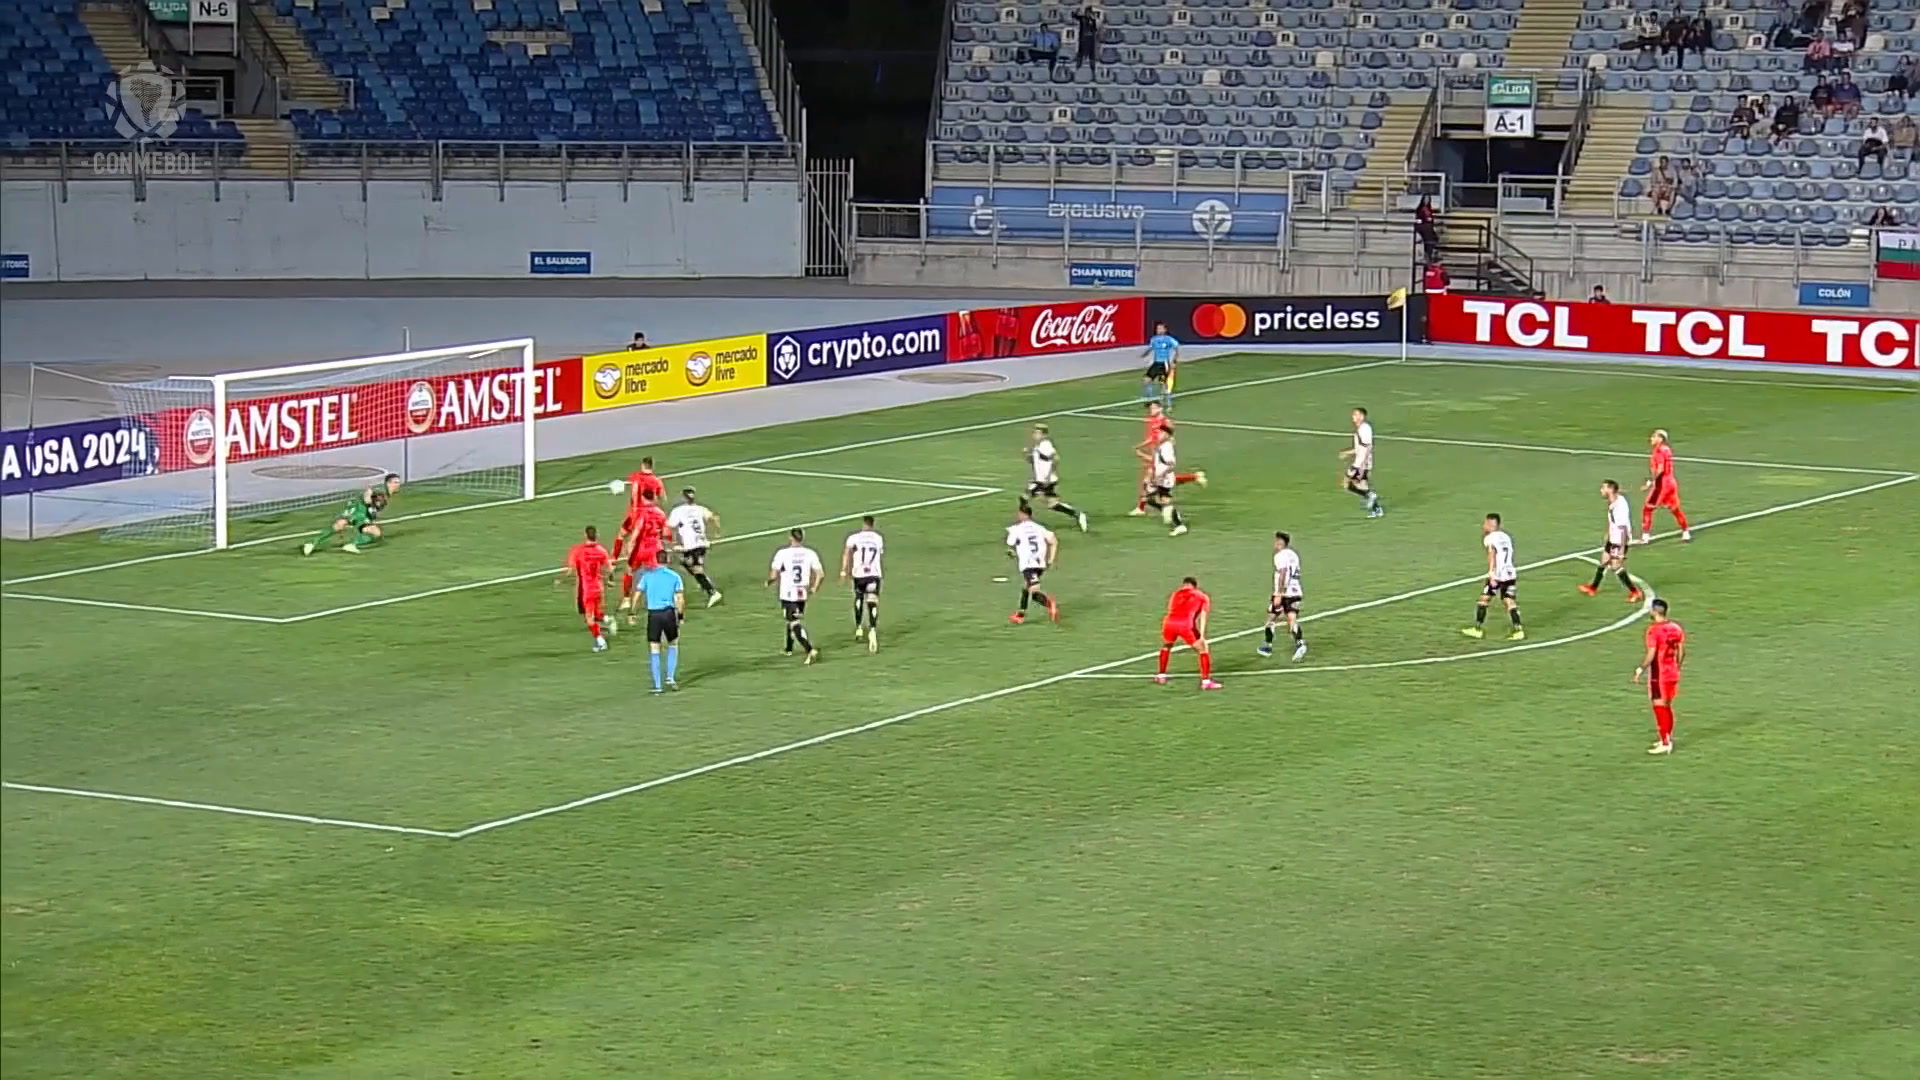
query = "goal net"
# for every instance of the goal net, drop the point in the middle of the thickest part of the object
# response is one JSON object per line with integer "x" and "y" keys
{"x": 237, "y": 453}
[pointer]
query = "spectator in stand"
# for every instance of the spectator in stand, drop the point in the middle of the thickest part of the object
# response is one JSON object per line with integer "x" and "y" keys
{"x": 639, "y": 342}
{"x": 1874, "y": 142}
{"x": 1846, "y": 96}
{"x": 1822, "y": 97}
{"x": 1673, "y": 37}
{"x": 1425, "y": 228}
{"x": 1740, "y": 124}
{"x": 1906, "y": 136}
{"x": 1883, "y": 218}
{"x": 1689, "y": 186}
{"x": 1844, "y": 46}
{"x": 1903, "y": 78}
{"x": 1435, "y": 280}
{"x": 1647, "y": 33}
{"x": 1599, "y": 296}
{"x": 1819, "y": 54}
{"x": 1660, "y": 190}
{"x": 1812, "y": 14}
{"x": 1043, "y": 47}
{"x": 1700, "y": 36}
{"x": 1786, "y": 121}
{"x": 1088, "y": 52}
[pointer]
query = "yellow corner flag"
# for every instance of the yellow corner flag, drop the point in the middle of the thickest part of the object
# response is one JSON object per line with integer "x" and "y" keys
{"x": 1396, "y": 299}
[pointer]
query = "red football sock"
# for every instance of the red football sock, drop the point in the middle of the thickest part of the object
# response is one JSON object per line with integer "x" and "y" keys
{"x": 1185, "y": 478}
{"x": 1206, "y": 665}
{"x": 1164, "y": 654}
{"x": 1646, "y": 519}
{"x": 1681, "y": 518}
{"x": 1663, "y": 717}
{"x": 593, "y": 628}
{"x": 626, "y": 583}
{"x": 1142, "y": 504}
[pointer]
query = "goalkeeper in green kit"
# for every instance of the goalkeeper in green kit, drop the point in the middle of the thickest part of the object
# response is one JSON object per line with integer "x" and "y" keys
{"x": 358, "y": 519}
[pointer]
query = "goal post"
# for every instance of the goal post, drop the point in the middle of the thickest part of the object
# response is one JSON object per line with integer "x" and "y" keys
{"x": 456, "y": 424}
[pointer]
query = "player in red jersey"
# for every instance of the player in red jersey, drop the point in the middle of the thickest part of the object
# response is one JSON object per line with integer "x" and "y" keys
{"x": 1666, "y": 652}
{"x": 1157, "y": 422}
{"x": 647, "y": 525}
{"x": 589, "y": 565}
{"x": 1186, "y": 622}
{"x": 1663, "y": 492}
{"x": 645, "y": 482}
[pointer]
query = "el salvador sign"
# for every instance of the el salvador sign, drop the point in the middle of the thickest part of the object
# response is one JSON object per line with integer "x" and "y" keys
{"x": 1835, "y": 294}
{"x": 1190, "y": 215}
{"x": 560, "y": 262}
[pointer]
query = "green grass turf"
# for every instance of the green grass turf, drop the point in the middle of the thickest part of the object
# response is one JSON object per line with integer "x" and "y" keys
{"x": 1452, "y": 870}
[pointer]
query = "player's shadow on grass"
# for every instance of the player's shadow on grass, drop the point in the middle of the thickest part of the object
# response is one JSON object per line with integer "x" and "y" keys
{"x": 694, "y": 672}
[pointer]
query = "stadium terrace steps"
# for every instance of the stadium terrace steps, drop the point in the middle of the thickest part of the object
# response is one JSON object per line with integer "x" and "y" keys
{"x": 307, "y": 80}
{"x": 270, "y": 143}
{"x": 113, "y": 33}
{"x": 1612, "y": 133}
{"x": 1399, "y": 123}
{"x": 781, "y": 123}
{"x": 1539, "y": 40}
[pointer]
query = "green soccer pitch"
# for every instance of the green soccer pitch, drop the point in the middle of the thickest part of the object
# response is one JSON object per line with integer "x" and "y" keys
{"x": 389, "y": 817}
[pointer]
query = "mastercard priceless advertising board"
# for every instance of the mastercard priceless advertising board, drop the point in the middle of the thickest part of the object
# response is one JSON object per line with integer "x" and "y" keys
{"x": 1280, "y": 320}
{"x": 672, "y": 372}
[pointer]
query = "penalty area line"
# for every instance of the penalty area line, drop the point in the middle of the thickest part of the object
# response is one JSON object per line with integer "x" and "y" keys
{"x": 1585, "y": 554}
{"x": 857, "y": 479}
{"x": 217, "y": 808}
{"x": 155, "y": 609}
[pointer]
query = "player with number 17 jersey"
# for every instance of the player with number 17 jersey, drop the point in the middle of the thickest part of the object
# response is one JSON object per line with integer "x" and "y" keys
{"x": 860, "y": 559}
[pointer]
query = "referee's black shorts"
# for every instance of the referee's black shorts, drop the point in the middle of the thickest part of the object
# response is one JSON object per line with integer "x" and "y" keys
{"x": 663, "y": 625}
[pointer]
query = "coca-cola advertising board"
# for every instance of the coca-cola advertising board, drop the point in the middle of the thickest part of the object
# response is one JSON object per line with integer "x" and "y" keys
{"x": 1046, "y": 329}
{"x": 350, "y": 415}
{"x": 1859, "y": 342}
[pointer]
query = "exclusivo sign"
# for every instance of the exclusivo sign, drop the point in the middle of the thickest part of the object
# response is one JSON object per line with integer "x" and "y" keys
{"x": 1767, "y": 337}
{"x": 830, "y": 352}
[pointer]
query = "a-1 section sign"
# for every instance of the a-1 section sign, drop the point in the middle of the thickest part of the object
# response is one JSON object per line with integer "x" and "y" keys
{"x": 830, "y": 352}
{"x": 1279, "y": 320}
{"x": 1510, "y": 102}
{"x": 1046, "y": 329}
{"x": 1760, "y": 337}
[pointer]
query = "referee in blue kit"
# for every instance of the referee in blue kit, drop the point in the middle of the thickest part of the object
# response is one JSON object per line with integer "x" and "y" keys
{"x": 666, "y": 600}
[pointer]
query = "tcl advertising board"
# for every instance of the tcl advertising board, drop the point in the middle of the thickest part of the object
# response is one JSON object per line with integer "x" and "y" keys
{"x": 265, "y": 427}
{"x": 1762, "y": 337}
{"x": 1046, "y": 329}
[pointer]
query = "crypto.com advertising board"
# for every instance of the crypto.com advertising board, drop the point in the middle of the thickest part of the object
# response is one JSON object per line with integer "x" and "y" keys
{"x": 1046, "y": 329}
{"x": 832, "y": 352}
{"x": 1857, "y": 342}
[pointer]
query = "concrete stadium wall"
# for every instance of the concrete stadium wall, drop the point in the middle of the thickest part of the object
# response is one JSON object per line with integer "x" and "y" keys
{"x": 328, "y": 230}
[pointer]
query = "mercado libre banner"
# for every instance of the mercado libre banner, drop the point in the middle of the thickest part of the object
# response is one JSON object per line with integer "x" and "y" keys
{"x": 672, "y": 372}
{"x": 831, "y": 352}
{"x": 1046, "y": 329}
{"x": 1759, "y": 337}
{"x": 271, "y": 426}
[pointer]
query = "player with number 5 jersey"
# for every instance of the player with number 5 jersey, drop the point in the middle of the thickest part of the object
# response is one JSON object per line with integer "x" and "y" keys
{"x": 1033, "y": 547}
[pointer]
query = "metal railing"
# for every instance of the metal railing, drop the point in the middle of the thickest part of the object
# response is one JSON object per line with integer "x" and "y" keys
{"x": 927, "y": 225}
{"x": 1553, "y": 88}
{"x": 1582, "y": 123}
{"x": 780, "y": 80}
{"x": 1119, "y": 165}
{"x": 223, "y": 160}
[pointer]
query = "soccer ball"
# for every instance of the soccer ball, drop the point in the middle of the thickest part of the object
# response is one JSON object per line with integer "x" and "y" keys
{"x": 616, "y": 486}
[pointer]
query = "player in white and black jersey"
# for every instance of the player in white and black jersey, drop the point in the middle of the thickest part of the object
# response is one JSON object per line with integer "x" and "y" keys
{"x": 694, "y": 527}
{"x": 1033, "y": 548}
{"x": 1287, "y": 594}
{"x": 1613, "y": 552}
{"x": 797, "y": 570}
{"x": 1359, "y": 458}
{"x": 860, "y": 559}
{"x": 1162, "y": 477}
{"x": 1503, "y": 580}
{"x": 1044, "y": 460}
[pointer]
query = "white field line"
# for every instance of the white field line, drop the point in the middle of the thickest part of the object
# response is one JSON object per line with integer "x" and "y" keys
{"x": 1621, "y": 623}
{"x": 216, "y": 808}
{"x": 1052, "y": 680}
{"x": 156, "y": 609}
{"x": 1479, "y": 444}
{"x": 1865, "y": 385}
{"x": 771, "y": 460}
{"x": 970, "y": 493}
{"x": 858, "y": 479}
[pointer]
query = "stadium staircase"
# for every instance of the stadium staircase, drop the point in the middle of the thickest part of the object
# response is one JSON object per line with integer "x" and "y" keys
{"x": 763, "y": 65}
{"x": 113, "y": 33}
{"x": 1377, "y": 185}
{"x": 306, "y": 79}
{"x": 1612, "y": 133}
{"x": 1539, "y": 39}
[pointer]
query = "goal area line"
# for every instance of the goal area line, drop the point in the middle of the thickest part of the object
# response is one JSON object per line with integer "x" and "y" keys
{"x": 479, "y": 828}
